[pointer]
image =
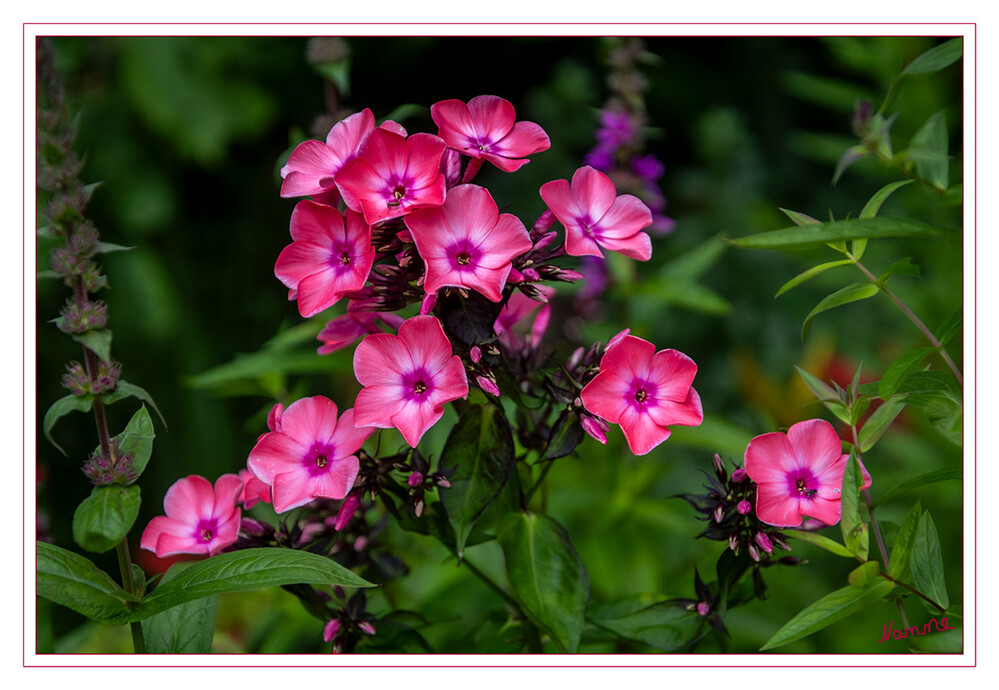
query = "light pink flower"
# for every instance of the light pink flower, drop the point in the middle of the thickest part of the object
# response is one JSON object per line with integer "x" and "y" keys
{"x": 467, "y": 242}
{"x": 393, "y": 175}
{"x": 594, "y": 216}
{"x": 485, "y": 128}
{"x": 644, "y": 391}
{"x": 331, "y": 255}
{"x": 407, "y": 378}
{"x": 799, "y": 473}
{"x": 312, "y": 456}
{"x": 253, "y": 491}
{"x": 312, "y": 166}
{"x": 341, "y": 331}
{"x": 512, "y": 323}
{"x": 198, "y": 519}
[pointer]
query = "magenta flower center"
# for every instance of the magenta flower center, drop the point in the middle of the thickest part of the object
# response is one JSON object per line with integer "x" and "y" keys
{"x": 418, "y": 385}
{"x": 801, "y": 483}
{"x": 463, "y": 255}
{"x": 318, "y": 458}
{"x": 205, "y": 530}
{"x": 642, "y": 394}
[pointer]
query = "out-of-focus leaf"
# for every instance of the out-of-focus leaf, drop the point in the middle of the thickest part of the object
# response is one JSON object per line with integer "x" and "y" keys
{"x": 936, "y": 58}
{"x": 99, "y": 342}
{"x": 951, "y": 327}
{"x": 946, "y": 642}
{"x": 800, "y": 219}
{"x": 932, "y": 138}
{"x": 107, "y": 248}
{"x": 822, "y": 542}
{"x": 811, "y": 236}
{"x": 900, "y": 369}
{"x": 873, "y": 205}
{"x": 403, "y": 112}
{"x": 851, "y": 293}
{"x": 902, "y": 267}
{"x": 62, "y": 407}
{"x": 916, "y": 482}
{"x": 811, "y": 273}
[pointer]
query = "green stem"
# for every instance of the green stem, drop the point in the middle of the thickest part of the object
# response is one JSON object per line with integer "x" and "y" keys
{"x": 890, "y": 162}
{"x": 128, "y": 583}
{"x": 537, "y": 484}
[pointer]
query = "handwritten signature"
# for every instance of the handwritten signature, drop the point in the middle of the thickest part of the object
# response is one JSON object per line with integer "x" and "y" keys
{"x": 890, "y": 634}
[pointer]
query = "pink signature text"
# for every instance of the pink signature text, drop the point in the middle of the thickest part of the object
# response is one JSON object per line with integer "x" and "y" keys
{"x": 890, "y": 634}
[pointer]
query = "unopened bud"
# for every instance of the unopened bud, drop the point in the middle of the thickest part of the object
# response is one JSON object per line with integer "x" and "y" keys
{"x": 744, "y": 507}
{"x": 475, "y": 354}
{"x": 330, "y": 630}
{"x": 764, "y": 541}
{"x": 366, "y": 628}
{"x": 415, "y": 479}
{"x": 597, "y": 428}
{"x": 442, "y": 481}
{"x": 703, "y": 608}
{"x": 719, "y": 513}
{"x": 487, "y": 385}
{"x": 347, "y": 510}
{"x": 254, "y": 528}
{"x": 754, "y": 553}
{"x": 719, "y": 464}
{"x": 360, "y": 543}
{"x": 733, "y": 543}
{"x": 739, "y": 474}
{"x": 418, "y": 507}
{"x": 545, "y": 221}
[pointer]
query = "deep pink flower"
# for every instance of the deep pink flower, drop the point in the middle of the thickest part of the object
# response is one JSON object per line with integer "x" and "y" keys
{"x": 512, "y": 323}
{"x": 198, "y": 519}
{"x": 799, "y": 473}
{"x": 407, "y": 378}
{"x": 467, "y": 242}
{"x": 253, "y": 491}
{"x": 312, "y": 456}
{"x": 341, "y": 331}
{"x": 594, "y": 216}
{"x": 312, "y": 166}
{"x": 485, "y": 128}
{"x": 644, "y": 391}
{"x": 331, "y": 255}
{"x": 393, "y": 175}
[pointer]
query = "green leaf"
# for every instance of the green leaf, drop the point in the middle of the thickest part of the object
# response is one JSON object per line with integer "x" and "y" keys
{"x": 855, "y": 534}
{"x": 107, "y": 248}
{"x": 902, "y": 267}
{"x": 811, "y": 236}
{"x": 873, "y": 205}
{"x": 931, "y": 140}
{"x": 662, "y": 625}
{"x": 900, "y": 369}
{"x": 828, "y": 610}
{"x": 926, "y": 562}
{"x": 864, "y": 574}
{"x": 820, "y": 541}
{"x": 104, "y": 518}
{"x": 338, "y": 72}
{"x": 943, "y": 409}
{"x": 73, "y": 581}
{"x": 129, "y": 390}
{"x": 845, "y": 295}
{"x": 936, "y": 58}
{"x": 800, "y": 219}
{"x": 478, "y": 458}
{"x": 877, "y": 424}
{"x": 811, "y": 273}
{"x": 819, "y": 388}
{"x": 244, "y": 570}
{"x": 947, "y": 642}
{"x": 565, "y": 435}
{"x": 99, "y": 342}
{"x": 950, "y": 327}
{"x": 547, "y": 575}
{"x": 185, "y": 629}
{"x": 849, "y": 157}
{"x": 62, "y": 407}
{"x": 898, "y": 566}
{"x": 137, "y": 440}
{"x": 914, "y": 483}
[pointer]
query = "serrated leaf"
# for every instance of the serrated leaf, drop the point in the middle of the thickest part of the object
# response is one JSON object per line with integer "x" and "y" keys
{"x": 73, "y": 581}
{"x": 129, "y": 390}
{"x": 900, "y": 369}
{"x": 104, "y": 518}
{"x": 898, "y": 566}
{"x": 811, "y": 273}
{"x": 822, "y": 542}
{"x": 244, "y": 570}
{"x": 478, "y": 458}
{"x": 877, "y": 424}
{"x": 185, "y": 629}
{"x": 926, "y": 562}
{"x": 812, "y": 236}
{"x": 547, "y": 575}
{"x": 936, "y": 58}
{"x": 62, "y": 407}
{"x": 662, "y": 625}
{"x": 916, "y": 482}
{"x": 99, "y": 342}
{"x": 845, "y": 295}
{"x": 873, "y": 205}
{"x": 828, "y": 610}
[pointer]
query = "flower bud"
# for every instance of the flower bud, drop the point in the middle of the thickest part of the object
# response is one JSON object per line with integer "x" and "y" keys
{"x": 544, "y": 221}
{"x": 360, "y": 543}
{"x": 366, "y": 627}
{"x": 744, "y": 507}
{"x": 475, "y": 354}
{"x": 719, "y": 465}
{"x": 739, "y": 474}
{"x": 418, "y": 507}
{"x": 255, "y": 528}
{"x": 347, "y": 510}
{"x": 442, "y": 481}
{"x": 719, "y": 513}
{"x": 764, "y": 541}
{"x": 703, "y": 608}
{"x": 415, "y": 479}
{"x": 330, "y": 630}
{"x": 597, "y": 428}
{"x": 488, "y": 385}
{"x": 754, "y": 553}
{"x": 733, "y": 543}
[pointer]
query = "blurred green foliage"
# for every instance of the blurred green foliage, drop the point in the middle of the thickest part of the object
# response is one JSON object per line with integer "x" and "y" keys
{"x": 187, "y": 134}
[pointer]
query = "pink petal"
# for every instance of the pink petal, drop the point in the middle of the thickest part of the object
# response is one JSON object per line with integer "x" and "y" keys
{"x": 686, "y": 413}
{"x": 502, "y": 162}
{"x": 524, "y": 139}
{"x": 381, "y": 354}
{"x": 673, "y": 373}
{"x": 424, "y": 163}
{"x": 339, "y": 480}
{"x": 774, "y": 506}
{"x": 626, "y": 216}
{"x": 827, "y": 510}
{"x": 450, "y": 382}
{"x": 594, "y": 191}
{"x": 228, "y": 488}
{"x": 317, "y": 223}
{"x": 320, "y": 291}
{"x": 641, "y": 432}
{"x": 359, "y": 182}
{"x": 386, "y": 151}
{"x": 630, "y": 358}
{"x": 226, "y": 533}
{"x": 560, "y": 199}
{"x": 506, "y": 239}
{"x": 171, "y": 544}
{"x": 375, "y": 405}
{"x": 292, "y": 489}
{"x": 346, "y": 136}
{"x": 348, "y": 438}
{"x": 638, "y": 246}
{"x": 413, "y": 419}
{"x": 492, "y": 116}
{"x": 310, "y": 419}
{"x": 605, "y": 396}
{"x": 189, "y": 499}
{"x": 310, "y": 169}
{"x": 427, "y": 344}
{"x": 454, "y": 120}
{"x": 471, "y": 212}
{"x": 769, "y": 458}
{"x": 816, "y": 445}
{"x": 298, "y": 261}
{"x": 157, "y": 526}
{"x": 273, "y": 454}
{"x": 578, "y": 243}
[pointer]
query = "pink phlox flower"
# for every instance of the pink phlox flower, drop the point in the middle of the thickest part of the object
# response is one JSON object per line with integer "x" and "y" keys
{"x": 198, "y": 520}
{"x": 313, "y": 164}
{"x": 341, "y": 331}
{"x": 407, "y": 378}
{"x": 799, "y": 473}
{"x": 330, "y": 256}
{"x": 486, "y": 128}
{"x": 467, "y": 242}
{"x": 644, "y": 391}
{"x": 514, "y": 326}
{"x": 594, "y": 216}
{"x": 393, "y": 175}
{"x": 253, "y": 491}
{"x": 313, "y": 456}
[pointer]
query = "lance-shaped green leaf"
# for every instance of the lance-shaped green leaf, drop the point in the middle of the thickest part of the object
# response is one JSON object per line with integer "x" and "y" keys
{"x": 829, "y": 609}
{"x": 822, "y": 542}
{"x": 951, "y": 327}
{"x": 662, "y": 625}
{"x": 864, "y": 574}
{"x": 107, "y": 248}
{"x": 129, "y": 390}
{"x": 800, "y": 219}
{"x": 873, "y": 204}
{"x": 62, "y": 407}
{"x": 241, "y": 571}
{"x": 97, "y": 341}
{"x": 900, "y": 369}
{"x": 811, "y": 273}
{"x": 854, "y": 529}
{"x": 929, "y": 149}
{"x": 916, "y": 482}
{"x": 902, "y": 267}
{"x": 936, "y": 58}
{"x": 105, "y": 517}
{"x": 898, "y": 566}
{"x": 547, "y": 575}
{"x": 850, "y": 293}
{"x": 73, "y": 581}
{"x": 811, "y": 236}
{"x": 926, "y": 562}
{"x": 478, "y": 458}
{"x": 137, "y": 441}
{"x": 185, "y": 629}
{"x": 877, "y": 424}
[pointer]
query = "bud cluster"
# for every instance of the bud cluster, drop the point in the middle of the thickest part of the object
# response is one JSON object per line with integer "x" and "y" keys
{"x": 102, "y": 470}
{"x": 78, "y": 382}
{"x": 82, "y": 316}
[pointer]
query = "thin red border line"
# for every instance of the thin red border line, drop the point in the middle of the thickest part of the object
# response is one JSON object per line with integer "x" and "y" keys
{"x": 24, "y": 347}
{"x": 498, "y": 24}
{"x": 972, "y": 25}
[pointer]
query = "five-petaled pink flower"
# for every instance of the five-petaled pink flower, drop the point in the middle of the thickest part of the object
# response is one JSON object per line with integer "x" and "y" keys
{"x": 407, "y": 378}
{"x": 467, "y": 242}
{"x": 312, "y": 166}
{"x": 485, "y": 128}
{"x": 393, "y": 175}
{"x": 644, "y": 391}
{"x": 594, "y": 216}
{"x": 799, "y": 473}
{"x": 198, "y": 519}
{"x": 312, "y": 456}
{"x": 330, "y": 256}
